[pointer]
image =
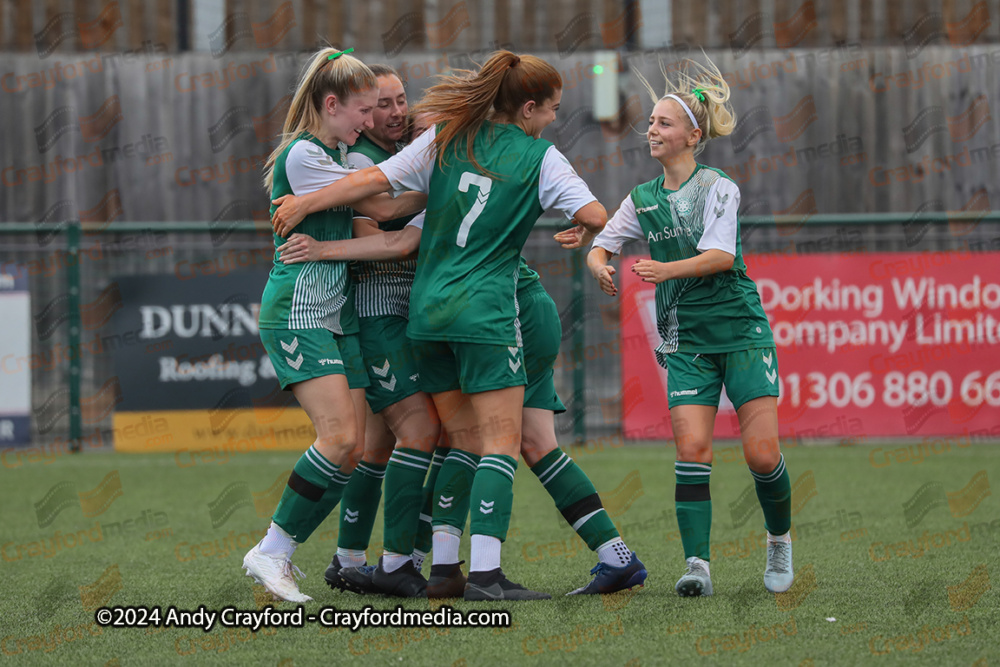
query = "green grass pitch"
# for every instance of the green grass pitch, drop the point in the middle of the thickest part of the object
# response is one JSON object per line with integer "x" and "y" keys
{"x": 895, "y": 557}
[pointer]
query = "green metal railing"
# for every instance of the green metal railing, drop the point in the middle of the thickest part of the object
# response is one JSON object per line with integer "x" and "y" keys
{"x": 73, "y": 231}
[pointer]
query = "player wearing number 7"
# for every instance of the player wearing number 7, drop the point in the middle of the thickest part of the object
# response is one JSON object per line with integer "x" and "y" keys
{"x": 714, "y": 330}
{"x": 488, "y": 178}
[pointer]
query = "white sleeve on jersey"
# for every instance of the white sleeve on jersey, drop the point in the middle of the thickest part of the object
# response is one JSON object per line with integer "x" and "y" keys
{"x": 418, "y": 221}
{"x": 411, "y": 168}
{"x": 621, "y": 228}
{"x": 721, "y": 205}
{"x": 359, "y": 161}
{"x": 560, "y": 187}
{"x": 309, "y": 168}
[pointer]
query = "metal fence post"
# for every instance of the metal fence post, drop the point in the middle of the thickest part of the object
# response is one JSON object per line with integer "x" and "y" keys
{"x": 73, "y": 303}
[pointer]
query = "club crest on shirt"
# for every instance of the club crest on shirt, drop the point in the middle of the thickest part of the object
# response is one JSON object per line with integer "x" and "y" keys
{"x": 683, "y": 206}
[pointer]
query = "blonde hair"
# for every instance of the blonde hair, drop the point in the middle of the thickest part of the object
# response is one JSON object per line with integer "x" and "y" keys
{"x": 715, "y": 115}
{"x": 343, "y": 76}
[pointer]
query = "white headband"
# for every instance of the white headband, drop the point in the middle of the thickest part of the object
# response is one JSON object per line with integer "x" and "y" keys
{"x": 687, "y": 109}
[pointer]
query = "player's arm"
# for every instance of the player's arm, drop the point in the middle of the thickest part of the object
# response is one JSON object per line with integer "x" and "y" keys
{"x": 586, "y": 227}
{"x": 561, "y": 188}
{"x": 365, "y": 191}
{"x": 592, "y": 218}
{"x": 364, "y": 227}
{"x": 597, "y": 262}
{"x": 384, "y": 207}
{"x": 410, "y": 169}
{"x": 717, "y": 246}
{"x": 380, "y": 207}
{"x": 370, "y": 247}
{"x": 701, "y": 265}
{"x": 622, "y": 228}
{"x": 312, "y": 173}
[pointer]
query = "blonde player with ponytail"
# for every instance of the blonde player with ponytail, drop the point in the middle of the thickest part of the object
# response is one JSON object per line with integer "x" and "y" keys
{"x": 714, "y": 330}
{"x": 308, "y": 324}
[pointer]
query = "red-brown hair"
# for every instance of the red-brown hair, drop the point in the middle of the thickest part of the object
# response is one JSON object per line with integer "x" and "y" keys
{"x": 502, "y": 86}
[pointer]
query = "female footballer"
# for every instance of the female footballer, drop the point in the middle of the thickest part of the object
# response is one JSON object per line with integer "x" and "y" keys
{"x": 714, "y": 331}
{"x": 308, "y": 324}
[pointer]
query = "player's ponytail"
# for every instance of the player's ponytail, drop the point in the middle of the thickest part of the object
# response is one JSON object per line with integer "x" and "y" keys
{"x": 342, "y": 76}
{"x": 502, "y": 85}
{"x": 705, "y": 92}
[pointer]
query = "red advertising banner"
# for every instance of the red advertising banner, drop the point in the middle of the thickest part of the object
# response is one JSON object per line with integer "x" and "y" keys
{"x": 869, "y": 345}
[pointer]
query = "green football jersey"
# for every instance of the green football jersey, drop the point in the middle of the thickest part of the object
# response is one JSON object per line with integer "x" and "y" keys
{"x": 310, "y": 295}
{"x": 526, "y": 276}
{"x": 375, "y": 154}
{"x": 466, "y": 281}
{"x": 718, "y": 313}
{"x": 381, "y": 288}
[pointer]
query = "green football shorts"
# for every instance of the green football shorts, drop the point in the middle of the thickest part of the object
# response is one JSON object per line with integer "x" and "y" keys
{"x": 541, "y": 332}
{"x": 303, "y": 354}
{"x": 471, "y": 367}
{"x": 697, "y": 379}
{"x": 390, "y": 361}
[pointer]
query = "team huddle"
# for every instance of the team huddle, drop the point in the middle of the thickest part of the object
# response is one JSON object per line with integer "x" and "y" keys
{"x": 421, "y": 345}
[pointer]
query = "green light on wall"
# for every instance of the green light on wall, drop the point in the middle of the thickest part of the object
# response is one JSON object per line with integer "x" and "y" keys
{"x": 598, "y": 69}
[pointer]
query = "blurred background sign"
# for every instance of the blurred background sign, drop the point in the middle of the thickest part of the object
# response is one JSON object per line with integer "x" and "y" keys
{"x": 870, "y": 345}
{"x": 15, "y": 356}
{"x": 192, "y": 369}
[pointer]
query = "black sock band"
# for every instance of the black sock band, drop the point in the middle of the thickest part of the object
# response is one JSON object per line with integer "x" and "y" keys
{"x": 692, "y": 493}
{"x": 305, "y": 488}
{"x": 581, "y": 508}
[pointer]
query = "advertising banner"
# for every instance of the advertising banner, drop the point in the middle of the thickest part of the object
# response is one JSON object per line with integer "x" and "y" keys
{"x": 193, "y": 372}
{"x": 15, "y": 346}
{"x": 868, "y": 345}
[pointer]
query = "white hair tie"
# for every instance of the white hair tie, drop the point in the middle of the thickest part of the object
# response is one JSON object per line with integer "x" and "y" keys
{"x": 687, "y": 109}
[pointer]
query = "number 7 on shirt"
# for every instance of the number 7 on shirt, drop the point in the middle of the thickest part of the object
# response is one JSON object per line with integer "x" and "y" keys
{"x": 484, "y": 184}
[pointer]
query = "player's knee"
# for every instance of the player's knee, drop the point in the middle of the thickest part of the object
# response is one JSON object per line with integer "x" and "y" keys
{"x": 532, "y": 451}
{"x": 340, "y": 446}
{"x": 764, "y": 457}
{"x": 506, "y": 443}
{"x": 534, "y": 448}
{"x": 694, "y": 448}
{"x": 429, "y": 436}
{"x": 378, "y": 456}
{"x": 423, "y": 438}
{"x": 762, "y": 452}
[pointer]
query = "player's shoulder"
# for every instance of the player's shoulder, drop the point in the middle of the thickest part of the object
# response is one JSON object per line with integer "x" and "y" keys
{"x": 304, "y": 150}
{"x": 506, "y": 135}
{"x": 541, "y": 149}
{"x": 367, "y": 148}
{"x": 647, "y": 189}
{"x": 711, "y": 176}
{"x": 543, "y": 145}
{"x": 361, "y": 159}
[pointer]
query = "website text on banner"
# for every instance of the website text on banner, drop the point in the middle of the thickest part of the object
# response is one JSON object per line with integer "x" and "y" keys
{"x": 889, "y": 344}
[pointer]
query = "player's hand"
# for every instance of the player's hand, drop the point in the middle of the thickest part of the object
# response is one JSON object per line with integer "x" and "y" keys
{"x": 574, "y": 237}
{"x": 651, "y": 272}
{"x": 299, "y": 248}
{"x": 604, "y": 276}
{"x": 288, "y": 215}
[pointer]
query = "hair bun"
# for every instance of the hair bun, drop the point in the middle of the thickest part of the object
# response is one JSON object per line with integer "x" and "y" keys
{"x": 515, "y": 60}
